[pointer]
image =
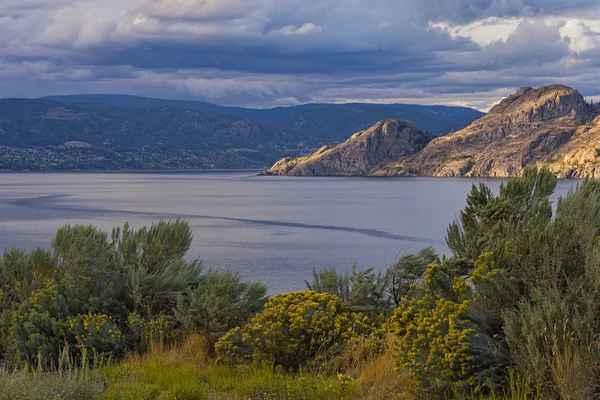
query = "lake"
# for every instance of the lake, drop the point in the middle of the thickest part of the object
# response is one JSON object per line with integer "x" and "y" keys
{"x": 272, "y": 229}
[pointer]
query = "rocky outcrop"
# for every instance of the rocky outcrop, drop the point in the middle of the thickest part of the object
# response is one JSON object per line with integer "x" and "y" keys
{"x": 550, "y": 125}
{"x": 580, "y": 157}
{"x": 535, "y": 105}
{"x": 530, "y": 127}
{"x": 365, "y": 152}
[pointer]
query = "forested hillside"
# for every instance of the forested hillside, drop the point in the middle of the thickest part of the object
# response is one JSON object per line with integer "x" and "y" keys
{"x": 46, "y": 135}
{"x": 106, "y": 132}
{"x": 322, "y": 122}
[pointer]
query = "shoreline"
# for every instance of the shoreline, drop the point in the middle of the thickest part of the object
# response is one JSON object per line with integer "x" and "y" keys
{"x": 133, "y": 171}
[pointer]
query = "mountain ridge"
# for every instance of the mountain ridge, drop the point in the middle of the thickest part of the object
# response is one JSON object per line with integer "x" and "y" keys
{"x": 48, "y": 135}
{"x": 45, "y": 134}
{"x": 320, "y": 121}
{"x": 551, "y": 125}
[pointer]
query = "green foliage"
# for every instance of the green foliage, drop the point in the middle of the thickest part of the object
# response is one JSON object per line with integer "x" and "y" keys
{"x": 38, "y": 327}
{"x": 488, "y": 221}
{"x": 158, "y": 378}
{"x": 154, "y": 260}
{"x": 154, "y": 379}
{"x": 66, "y": 380}
{"x": 104, "y": 295}
{"x": 374, "y": 293}
{"x": 361, "y": 291}
{"x": 534, "y": 287}
{"x": 220, "y": 302}
{"x": 409, "y": 270}
{"x": 435, "y": 334}
{"x": 295, "y": 329}
{"x": 96, "y": 334}
{"x": 64, "y": 385}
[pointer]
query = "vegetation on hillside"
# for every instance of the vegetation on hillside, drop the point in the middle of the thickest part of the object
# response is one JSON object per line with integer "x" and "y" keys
{"x": 47, "y": 135}
{"x": 320, "y": 121}
{"x": 124, "y": 132}
{"x": 511, "y": 314}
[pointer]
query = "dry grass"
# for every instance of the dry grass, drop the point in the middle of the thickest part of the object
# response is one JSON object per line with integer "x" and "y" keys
{"x": 195, "y": 349}
{"x": 573, "y": 369}
{"x": 378, "y": 379}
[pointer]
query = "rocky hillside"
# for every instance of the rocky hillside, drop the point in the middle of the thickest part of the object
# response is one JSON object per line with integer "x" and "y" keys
{"x": 366, "y": 151}
{"x": 533, "y": 126}
{"x": 550, "y": 125}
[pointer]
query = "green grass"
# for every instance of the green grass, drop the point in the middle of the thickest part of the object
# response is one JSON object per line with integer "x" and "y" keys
{"x": 157, "y": 378}
{"x": 153, "y": 377}
{"x": 189, "y": 372}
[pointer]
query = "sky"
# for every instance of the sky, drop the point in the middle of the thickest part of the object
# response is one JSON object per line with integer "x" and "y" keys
{"x": 265, "y": 53}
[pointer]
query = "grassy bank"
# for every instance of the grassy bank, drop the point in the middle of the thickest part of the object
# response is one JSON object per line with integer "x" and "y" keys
{"x": 183, "y": 372}
{"x": 189, "y": 372}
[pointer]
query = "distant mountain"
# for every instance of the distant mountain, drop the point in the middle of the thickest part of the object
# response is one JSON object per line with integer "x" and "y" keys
{"x": 550, "y": 125}
{"x": 319, "y": 122}
{"x": 112, "y": 132}
{"x": 48, "y": 135}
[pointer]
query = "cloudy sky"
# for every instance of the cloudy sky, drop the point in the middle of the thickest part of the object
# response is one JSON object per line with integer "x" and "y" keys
{"x": 264, "y": 53}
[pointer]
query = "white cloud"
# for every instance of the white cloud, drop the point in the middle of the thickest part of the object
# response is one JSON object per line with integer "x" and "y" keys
{"x": 483, "y": 32}
{"x": 195, "y": 9}
{"x": 581, "y": 36}
{"x": 306, "y": 29}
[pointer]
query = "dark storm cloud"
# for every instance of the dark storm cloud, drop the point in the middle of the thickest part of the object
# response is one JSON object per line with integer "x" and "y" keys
{"x": 268, "y": 52}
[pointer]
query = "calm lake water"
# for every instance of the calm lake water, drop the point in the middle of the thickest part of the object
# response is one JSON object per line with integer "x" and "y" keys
{"x": 272, "y": 229}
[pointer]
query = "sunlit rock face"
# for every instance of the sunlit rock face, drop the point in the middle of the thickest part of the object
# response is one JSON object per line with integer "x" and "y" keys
{"x": 550, "y": 125}
{"x": 364, "y": 152}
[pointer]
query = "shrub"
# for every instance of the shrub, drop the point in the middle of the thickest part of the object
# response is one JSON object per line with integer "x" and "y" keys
{"x": 409, "y": 270}
{"x": 435, "y": 335}
{"x": 361, "y": 291}
{"x": 531, "y": 282}
{"x": 220, "y": 302}
{"x": 154, "y": 260}
{"x": 97, "y": 334}
{"x": 374, "y": 293}
{"x": 111, "y": 294}
{"x": 295, "y": 329}
{"x": 38, "y": 328}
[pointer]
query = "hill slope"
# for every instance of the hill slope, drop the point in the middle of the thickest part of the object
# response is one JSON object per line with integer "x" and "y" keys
{"x": 533, "y": 126}
{"x": 47, "y": 135}
{"x": 363, "y": 153}
{"x": 550, "y": 125}
{"x": 314, "y": 122}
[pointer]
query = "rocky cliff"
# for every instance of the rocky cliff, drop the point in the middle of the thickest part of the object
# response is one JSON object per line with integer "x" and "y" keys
{"x": 533, "y": 126}
{"x": 365, "y": 152}
{"x": 550, "y": 125}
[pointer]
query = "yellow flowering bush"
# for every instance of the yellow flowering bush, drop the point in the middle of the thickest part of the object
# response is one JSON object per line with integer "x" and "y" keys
{"x": 435, "y": 337}
{"x": 97, "y": 334}
{"x": 295, "y": 329}
{"x": 161, "y": 330}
